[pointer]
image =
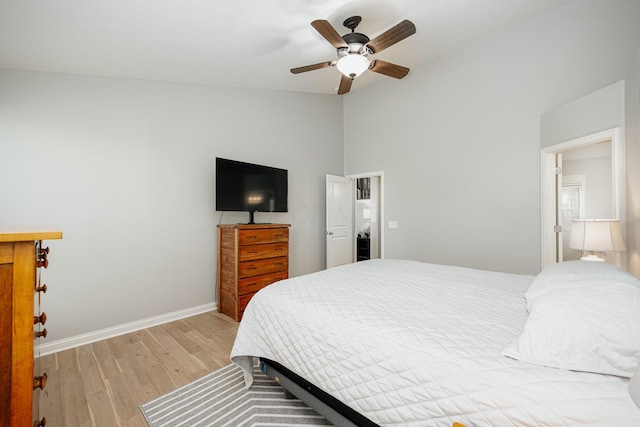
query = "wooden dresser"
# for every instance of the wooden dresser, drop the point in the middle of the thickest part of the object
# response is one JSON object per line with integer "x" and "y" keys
{"x": 21, "y": 257}
{"x": 250, "y": 257}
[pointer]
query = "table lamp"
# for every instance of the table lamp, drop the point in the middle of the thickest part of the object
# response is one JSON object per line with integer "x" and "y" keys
{"x": 596, "y": 235}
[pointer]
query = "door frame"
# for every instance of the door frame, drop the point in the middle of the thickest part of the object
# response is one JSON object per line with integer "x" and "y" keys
{"x": 548, "y": 189}
{"x": 380, "y": 175}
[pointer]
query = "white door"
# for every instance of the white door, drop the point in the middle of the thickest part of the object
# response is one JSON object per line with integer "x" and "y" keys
{"x": 339, "y": 231}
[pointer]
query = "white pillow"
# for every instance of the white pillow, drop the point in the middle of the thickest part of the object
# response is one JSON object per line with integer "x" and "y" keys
{"x": 583, "y": 325}
{"x": 570, "y": 272}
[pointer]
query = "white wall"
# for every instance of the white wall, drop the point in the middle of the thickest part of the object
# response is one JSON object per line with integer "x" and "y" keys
{"x": 126, "y": 169}
{"x": 599, "y": 111}
{"x": 459, "y": 138}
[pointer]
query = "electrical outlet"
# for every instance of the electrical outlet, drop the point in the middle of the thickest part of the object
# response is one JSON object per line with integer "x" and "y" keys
{"x": 393, "y": 224}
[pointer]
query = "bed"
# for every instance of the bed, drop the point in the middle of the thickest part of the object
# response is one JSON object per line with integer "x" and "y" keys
{"x": 405, "y": 343}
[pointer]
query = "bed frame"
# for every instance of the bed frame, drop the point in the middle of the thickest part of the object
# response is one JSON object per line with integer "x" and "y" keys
{"x": 326, "y": 405}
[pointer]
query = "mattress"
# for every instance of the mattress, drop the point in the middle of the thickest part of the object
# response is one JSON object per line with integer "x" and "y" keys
{"x": 413, "y": 344}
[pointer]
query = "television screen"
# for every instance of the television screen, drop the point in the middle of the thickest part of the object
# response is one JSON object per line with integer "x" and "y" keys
{"x": 249, "y": 187}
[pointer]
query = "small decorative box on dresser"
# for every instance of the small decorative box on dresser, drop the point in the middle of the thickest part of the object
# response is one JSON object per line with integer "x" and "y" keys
{"x": 250, "y": 257}
{"x": 21, "y": 256}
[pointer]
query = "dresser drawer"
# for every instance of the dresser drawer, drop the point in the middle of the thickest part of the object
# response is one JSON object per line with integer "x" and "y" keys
{"x": 254, "y": 284}
{"x": 265, "y": 235}
{"x": 270, "y": 250}
{"x": 243, "y": 300}
{"x": 264, "y": 266}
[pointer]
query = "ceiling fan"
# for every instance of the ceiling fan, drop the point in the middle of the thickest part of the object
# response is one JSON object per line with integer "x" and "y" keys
{"x": 354, "y": 50}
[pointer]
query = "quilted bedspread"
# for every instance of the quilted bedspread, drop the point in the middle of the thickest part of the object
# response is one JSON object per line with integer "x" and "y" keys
{"x": 413, "y": 344}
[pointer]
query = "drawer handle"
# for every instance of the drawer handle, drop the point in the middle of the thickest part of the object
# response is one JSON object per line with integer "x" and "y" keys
{"x": 279, "y": 249}
{"x": 252, "y": 253}
{"x": 279, "y": 235}
{"x": 40, "y": 382}
{"x": 277, "y": 264}
{"x": 252, "y": 284}
{"x": 42, "y": 319}
{"x": 252, "y": 268}
{"x": 42, "y": 333}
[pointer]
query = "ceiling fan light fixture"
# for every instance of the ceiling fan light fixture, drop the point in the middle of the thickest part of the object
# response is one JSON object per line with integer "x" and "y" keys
{"x": 353, "y": 64}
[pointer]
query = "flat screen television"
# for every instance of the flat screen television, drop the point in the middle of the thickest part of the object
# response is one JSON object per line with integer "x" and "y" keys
{"x": 247, "y": 187}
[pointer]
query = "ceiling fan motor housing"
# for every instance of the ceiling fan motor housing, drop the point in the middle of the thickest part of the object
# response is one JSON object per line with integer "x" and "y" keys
{"x": 357, "y": 44}
{"x": 355, "y": 38}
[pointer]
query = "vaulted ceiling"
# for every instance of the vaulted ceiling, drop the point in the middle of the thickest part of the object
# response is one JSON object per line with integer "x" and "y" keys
{"x": 240, "y": 43}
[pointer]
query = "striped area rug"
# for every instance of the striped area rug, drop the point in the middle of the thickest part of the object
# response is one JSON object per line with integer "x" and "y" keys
{"x": 220, "y": 399}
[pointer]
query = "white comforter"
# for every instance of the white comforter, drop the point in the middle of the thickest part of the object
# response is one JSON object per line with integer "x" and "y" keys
{"x": 407, "y": 343}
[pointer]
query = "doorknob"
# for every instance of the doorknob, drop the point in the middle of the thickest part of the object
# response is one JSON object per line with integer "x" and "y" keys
{"x": 329, "y": 233}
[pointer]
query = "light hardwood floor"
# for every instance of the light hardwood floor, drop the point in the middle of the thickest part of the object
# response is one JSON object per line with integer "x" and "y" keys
{"x": 104, "y": 383}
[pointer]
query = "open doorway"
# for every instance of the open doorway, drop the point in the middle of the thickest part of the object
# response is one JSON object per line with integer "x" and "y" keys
{"x": 368, "y": 215}
{"x": 365, "y": 221}
{"x": 354, "y": 218}
{"x": 582, "y": 178}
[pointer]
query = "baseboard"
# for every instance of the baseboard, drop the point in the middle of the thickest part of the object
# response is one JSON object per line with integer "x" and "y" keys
{"x": 78, "y": 340}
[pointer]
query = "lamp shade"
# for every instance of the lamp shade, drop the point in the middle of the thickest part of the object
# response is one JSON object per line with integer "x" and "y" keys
{"x": 596, "y": 235}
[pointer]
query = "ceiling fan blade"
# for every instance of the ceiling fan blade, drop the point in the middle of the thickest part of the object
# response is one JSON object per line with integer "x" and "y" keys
{"x": 389, "y": 69}
{"x": 392, "y": 36}
{"x": 327, "y": 31}
{"x": 345, "y": 85}
{"x": 312, "y": 67}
